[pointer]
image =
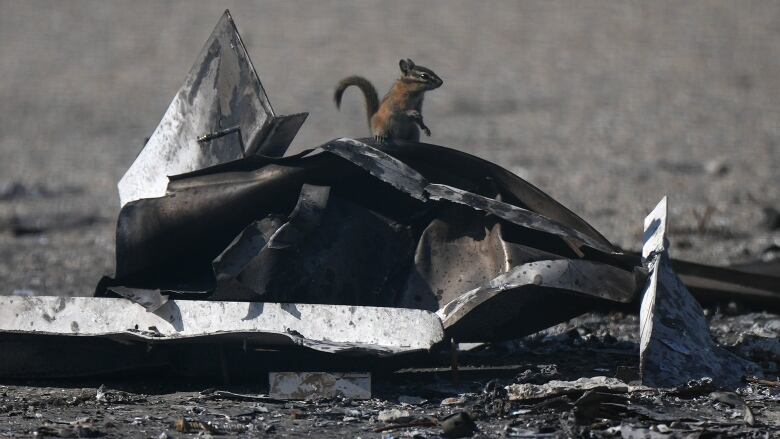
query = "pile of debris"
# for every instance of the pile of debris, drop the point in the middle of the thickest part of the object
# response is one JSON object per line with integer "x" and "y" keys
{"x": 364, "y": 251}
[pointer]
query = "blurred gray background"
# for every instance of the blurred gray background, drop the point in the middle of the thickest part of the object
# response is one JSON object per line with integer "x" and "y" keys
{"x": 607, "y": 106}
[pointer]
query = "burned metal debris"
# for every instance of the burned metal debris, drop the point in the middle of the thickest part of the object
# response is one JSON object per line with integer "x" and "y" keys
{"x": 334, "y": 233}
{"x": 221, "y": 113}
{"x": 402, "y": 225}
{"x": 675, "y": 341}
{"x": 230, "y": 253}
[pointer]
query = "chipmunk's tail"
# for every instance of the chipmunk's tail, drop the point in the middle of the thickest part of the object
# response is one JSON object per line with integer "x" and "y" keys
{"x": 369, "y": 92}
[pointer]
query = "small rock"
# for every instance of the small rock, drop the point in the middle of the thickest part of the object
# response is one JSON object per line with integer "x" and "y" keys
{"x": 771, "y": 220}
{"x": 458, "y": 425}
{"x": 455, "y": 400}
{"x": 412, "y": 400}
{"x": 717, "y": 167}
{"x": 394, "y": 415}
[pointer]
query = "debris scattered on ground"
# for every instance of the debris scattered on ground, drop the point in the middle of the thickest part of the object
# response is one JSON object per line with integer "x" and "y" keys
{"x": 734, "y": 400}
{"x": 359, "y": 255}
{"x": 411, "y": 400}
{"x": 394, "y": 415}
{"x": 83, "y": 427}
{"x": 106, "y": 396}
{"x": 313, "y": 385}
{"x": 183, "y": 425}
{"x": 526, "y": 392}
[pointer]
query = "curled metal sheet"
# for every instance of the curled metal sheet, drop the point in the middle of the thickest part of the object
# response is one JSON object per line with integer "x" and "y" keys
{"x": 221, "y": 113}
{"x": 381, "y": 165}
{"x": 394, "y": 172}
{"x": 210, "y": 205}
{"x": 352, "y": 223}
{"x": 516, "y": 215}
{"x": 491, "y": 310}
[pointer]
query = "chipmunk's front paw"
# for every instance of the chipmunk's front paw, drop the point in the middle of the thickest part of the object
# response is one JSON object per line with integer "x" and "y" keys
{"x": 381, "y": 138}
{"x": 427, "y": 131}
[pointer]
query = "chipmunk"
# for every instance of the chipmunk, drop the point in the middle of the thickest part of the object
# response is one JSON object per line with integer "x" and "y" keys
{"x": 400, "y": 112}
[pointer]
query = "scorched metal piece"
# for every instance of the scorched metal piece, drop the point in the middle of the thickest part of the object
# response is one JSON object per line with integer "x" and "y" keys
{"x": 327, "y": 328}
{"x": 221, "y": 113}
{"x": 675, "y": 341}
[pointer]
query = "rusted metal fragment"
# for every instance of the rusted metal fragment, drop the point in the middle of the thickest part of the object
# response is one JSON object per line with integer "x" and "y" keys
{"x": 221, "y": 113}
{"x": 489, "y": 312}
{"x": 319, "y": 385}
{"x": 329, "y": 328}
{"x": 675, "y": 342}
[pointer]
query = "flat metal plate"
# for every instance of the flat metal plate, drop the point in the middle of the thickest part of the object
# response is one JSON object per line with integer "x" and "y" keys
{"x": 327, "y": 328}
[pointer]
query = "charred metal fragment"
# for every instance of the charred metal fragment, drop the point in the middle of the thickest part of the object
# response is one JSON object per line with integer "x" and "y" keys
{"x": 513, "y": 214}
{"x": 396, "y": 173}
{"x": 381, "y": 165}
{"x": 490, "y": 311}
{"x": 326, "y": 328}
{"x": 675, "y": 342}
{"x": 459, "y": 250}
{"x": 328, "y": 251}
{"x": 221, "y": 94}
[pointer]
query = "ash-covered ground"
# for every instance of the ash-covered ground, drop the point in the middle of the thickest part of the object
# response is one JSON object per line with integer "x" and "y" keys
{"x": 415, "y": 401}
{"x": 606, "y": 106}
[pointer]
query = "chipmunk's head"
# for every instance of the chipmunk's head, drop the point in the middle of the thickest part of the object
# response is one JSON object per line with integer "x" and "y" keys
{"x": 419, "y": 77}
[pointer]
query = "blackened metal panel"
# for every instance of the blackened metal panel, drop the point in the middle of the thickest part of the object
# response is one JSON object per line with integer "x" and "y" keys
{"x": 328, "y": 251}
{"x": 534, "y": 296}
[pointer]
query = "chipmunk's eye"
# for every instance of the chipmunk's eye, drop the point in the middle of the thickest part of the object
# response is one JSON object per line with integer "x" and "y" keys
{"x": 424, "y": 75}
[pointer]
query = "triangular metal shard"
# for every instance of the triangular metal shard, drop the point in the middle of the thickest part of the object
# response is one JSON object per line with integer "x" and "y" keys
{"x": 221, "y": 113}
{"x": 675, "y": 341}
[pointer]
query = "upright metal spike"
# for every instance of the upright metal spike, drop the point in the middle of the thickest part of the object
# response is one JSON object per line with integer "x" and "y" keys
{"x": 221, "y": 113}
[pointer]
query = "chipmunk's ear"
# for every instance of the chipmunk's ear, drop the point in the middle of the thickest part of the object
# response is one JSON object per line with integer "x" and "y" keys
{"x": 405, "y": 67}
